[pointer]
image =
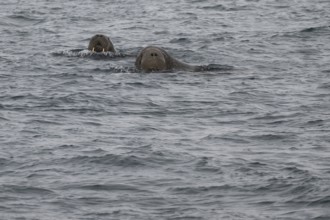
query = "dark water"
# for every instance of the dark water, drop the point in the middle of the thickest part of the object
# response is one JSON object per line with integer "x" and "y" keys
{"x": 85, "y": 138}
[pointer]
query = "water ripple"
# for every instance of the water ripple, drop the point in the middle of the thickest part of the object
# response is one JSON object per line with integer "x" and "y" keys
{"x": 86, "y": 136}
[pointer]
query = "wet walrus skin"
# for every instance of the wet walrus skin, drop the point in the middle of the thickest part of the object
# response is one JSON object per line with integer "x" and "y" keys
{"x": 101, "y": 43}
{"x": 152, "y": 59}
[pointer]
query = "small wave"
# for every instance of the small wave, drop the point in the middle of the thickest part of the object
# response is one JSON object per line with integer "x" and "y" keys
{"x": 180, "y": 40}
{"x": 203, "y": 165}
{"x": 162, "y": 32}
{"x": 19, "y": 97}
{"x": 272, "y": 137}
{"x": 303, "y": 33}
{"x": 323, "y": 201}
{"x": 3, "y": 118}
{"x": 43, "y": 121}
{"x": 221, "y": 7}
{"x": 278, "y": 117}
{"x": 89, "y": 54}
{"x": 200, "y": 189}
{"x": 311, "y": 33}
{"x": 316, "y": 29}
{"x": 114, "y": 69}
{"x": 3, "y": 162}
{"x": 110, "y": 159}
{"x": 104, "y": 187}
{"x": 27, "y": 190}
{"x": 121, "y": 69}
{"x": 293, "y": 170}
{"x": 24, "y": 17}
{"x": 325, "y": 85}
{"x": 216, "y": 7}
{"x": 235, "y": 139}
{"x": 68, "y": 146}
{"x": 217, "y": 67}
{"x": 326, "y": 71}
{"x": 316, "y": 122}
{"x": 321, "y": 217}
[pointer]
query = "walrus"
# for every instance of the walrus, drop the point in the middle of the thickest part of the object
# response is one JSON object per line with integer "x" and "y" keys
{"x": 101, "y": 43}
{"x": 152, "y": 59}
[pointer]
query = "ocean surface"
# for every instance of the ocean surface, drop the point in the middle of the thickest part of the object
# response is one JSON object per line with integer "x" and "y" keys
{"x": 88, "y": 137}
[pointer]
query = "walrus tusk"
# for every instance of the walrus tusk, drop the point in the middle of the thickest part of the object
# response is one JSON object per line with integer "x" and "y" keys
{"x": 103, "y": 50}
{"x": 99, "y": 43}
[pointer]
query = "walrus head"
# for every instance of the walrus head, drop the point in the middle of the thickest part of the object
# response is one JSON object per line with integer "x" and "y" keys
{"x": 101, "y": 43}
{"x": 151, "y": 59}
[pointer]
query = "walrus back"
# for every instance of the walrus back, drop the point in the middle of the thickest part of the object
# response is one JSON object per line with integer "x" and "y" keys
{"x": 179, "y": 65}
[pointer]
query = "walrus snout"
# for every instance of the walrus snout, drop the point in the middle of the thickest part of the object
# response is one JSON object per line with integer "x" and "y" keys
{"x": 99, "y": 46}
{"x": 153, "y": 60}
{"x": 100, "y": 43}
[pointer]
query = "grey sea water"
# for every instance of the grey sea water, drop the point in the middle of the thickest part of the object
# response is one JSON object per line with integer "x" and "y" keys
{"x": 91, "y": 138}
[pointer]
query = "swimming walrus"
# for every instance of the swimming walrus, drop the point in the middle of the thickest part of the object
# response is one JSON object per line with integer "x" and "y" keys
{"x": 157, "y": 59}
{"x": 101, "y": 43}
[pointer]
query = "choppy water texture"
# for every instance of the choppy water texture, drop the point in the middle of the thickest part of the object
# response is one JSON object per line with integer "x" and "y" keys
{"x": 85, "y": 138}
